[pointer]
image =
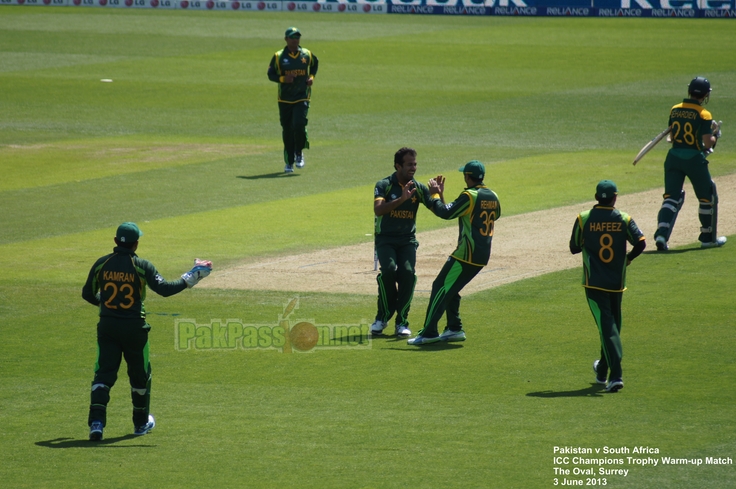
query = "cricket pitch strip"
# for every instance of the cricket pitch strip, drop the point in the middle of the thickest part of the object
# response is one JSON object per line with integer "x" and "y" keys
{"x": 524, "y": 246}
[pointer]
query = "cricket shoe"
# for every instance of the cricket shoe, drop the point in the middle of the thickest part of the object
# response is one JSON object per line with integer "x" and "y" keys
{"x": 95, "y": 431}
{"x": 422, "y": 340}
{"x": 403, "y": 330}
{"x": 142, "y": 430}
{"x": 615, "y": 385}
{"x": 715, "y": 244}
{"x": 377, "y": 328}
{"x": 300, "y": 160}
{"x": 661, "y": 243}
{"x": 595, "y": 369}
{"x": 450, "y": 335}
{"x": 289, "y": 168}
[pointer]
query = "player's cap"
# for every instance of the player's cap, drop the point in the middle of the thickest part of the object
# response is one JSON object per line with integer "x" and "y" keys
{"x": 293, "y": 33}
{"x": 128, "y": 232}
{"x": 475, "y": 169}
{"x": 605, "y": 190}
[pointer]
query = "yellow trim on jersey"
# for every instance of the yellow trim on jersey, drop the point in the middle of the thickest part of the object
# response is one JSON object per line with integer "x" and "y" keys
{"x": 605, "y": 290}
{"x": 704, "y": 114}
{"x": 293, "y": 101}
{"x": 469, "y": 210}
{"x": 467, "y": 262}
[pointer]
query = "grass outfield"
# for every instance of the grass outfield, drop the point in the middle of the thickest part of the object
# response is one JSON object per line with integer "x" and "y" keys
{"x": 185, "y": 141}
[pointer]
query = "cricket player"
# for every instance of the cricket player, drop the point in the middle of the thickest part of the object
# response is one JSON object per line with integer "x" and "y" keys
{"x": 395, "y": 204}
{"x": 117, "y": 284}
{"x": 601, "y": 235}
{"x": 692, "y": 139}
{"x": 476, "y": 209}
{"x": 293, "y": 68}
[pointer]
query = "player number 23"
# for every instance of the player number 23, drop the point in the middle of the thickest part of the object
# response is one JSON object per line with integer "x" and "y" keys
{"x": 126, "y": 290}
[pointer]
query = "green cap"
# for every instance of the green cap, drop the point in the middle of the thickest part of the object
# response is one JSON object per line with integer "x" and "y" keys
{"x": 475, "y": 169}
{"x": 128, "y": 232}
{"x": 293, "y": 33}
{"x": 605, "y": 190}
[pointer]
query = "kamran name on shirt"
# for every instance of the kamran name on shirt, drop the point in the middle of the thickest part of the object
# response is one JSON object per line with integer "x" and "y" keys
{"x": 112, "y": 276}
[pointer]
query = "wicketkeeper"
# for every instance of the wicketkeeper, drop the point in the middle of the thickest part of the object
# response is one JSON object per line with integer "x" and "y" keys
{"x": 117, "y": 284}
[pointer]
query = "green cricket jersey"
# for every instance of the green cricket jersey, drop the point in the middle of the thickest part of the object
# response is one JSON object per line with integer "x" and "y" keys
{"x": 121, "y": 279}
{"x": 689, "y": 122}
{"x": 601, "y": 233}
{"x": 477, "y": 210}
{"x": 302, "y": 65}
{"x": 402, "y": 221}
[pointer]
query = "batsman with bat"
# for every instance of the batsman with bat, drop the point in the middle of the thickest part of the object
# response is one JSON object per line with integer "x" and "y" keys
{"x": 117, "y": 284}
{"x": 694, "y": 135}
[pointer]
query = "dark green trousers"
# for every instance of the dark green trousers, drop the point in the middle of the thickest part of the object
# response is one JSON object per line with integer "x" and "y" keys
{"x": 118, "y": 339}
{"x": 445, "y": 296}
{"x": 696, "y": 170}
{"x": 606, "y": 309}
{"x": 294, "y": 121}
{"x": 396, "y": 280}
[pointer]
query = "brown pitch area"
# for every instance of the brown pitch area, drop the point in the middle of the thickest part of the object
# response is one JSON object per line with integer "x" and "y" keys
{"x": 524, "y": 246}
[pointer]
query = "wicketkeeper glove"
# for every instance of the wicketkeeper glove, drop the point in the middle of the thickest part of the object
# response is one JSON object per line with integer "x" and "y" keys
{"x": 201, "y": 269}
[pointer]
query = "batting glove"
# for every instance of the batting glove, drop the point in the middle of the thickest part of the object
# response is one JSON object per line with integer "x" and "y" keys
{"x": 201, "y": 269}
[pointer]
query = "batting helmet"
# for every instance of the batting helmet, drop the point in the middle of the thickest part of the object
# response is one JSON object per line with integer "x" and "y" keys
{"x": 699, "y": 87}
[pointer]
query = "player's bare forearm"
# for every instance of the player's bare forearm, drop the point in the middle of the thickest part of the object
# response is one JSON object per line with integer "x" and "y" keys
{"x": 381, "y": 207}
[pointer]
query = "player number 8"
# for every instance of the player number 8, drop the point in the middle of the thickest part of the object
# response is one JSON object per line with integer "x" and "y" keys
{"x": 606, "y": 252}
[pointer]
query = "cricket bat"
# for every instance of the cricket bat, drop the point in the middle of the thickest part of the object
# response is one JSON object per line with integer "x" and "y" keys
{"x": 651, "y": 144}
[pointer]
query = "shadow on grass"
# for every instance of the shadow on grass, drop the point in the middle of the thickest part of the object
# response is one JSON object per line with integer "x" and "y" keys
{"x": 595, "y": 390}
{"x": 674, "y": 252}
{"x": 269, "y": 175}
{"x": 430, "y": 347}
{"x": 442, "y": 345}
{"x": 105, "y": 443}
